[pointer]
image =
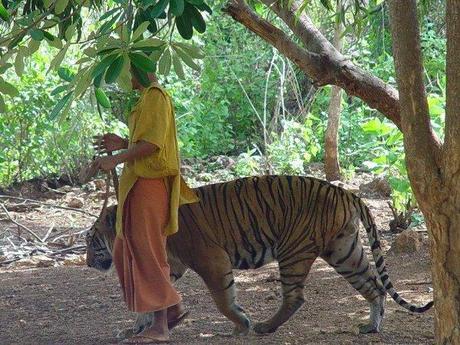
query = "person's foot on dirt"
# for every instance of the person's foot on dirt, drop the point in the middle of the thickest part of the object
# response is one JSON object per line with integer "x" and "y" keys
{"x": 176, "y": 314}
{"x": 149, "y": 336}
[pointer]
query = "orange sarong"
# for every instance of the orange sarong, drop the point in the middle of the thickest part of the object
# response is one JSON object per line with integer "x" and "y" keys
{"x": 140, "y": 253}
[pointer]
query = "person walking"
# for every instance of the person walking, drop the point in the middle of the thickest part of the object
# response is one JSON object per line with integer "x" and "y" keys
{"x": 150, "y": 193}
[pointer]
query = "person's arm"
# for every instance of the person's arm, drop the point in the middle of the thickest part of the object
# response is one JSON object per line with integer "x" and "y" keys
{"x": 140, "y": 149}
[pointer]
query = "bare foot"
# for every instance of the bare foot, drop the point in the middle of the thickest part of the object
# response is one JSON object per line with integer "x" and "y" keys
{"x": 149, "y": 336}
{"x": 176, "y": 314}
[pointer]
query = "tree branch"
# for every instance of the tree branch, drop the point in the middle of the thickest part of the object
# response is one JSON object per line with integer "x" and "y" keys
{"x": 452, "y": 138}
{"x": 310, "y": 63}
{"x": 353, "y": 79}
{"x": 320, "y": 61}
{"x": 421, "y": 145}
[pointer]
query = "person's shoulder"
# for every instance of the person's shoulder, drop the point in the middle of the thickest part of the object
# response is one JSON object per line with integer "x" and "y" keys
{"x": 157, "y": 90}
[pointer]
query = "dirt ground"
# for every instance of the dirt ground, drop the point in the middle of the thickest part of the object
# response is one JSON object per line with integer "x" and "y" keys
{"x": 76, "y": 305}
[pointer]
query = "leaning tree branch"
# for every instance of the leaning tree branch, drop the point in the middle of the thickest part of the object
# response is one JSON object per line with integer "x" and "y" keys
{"x": 310, "y": 63}
{"x": 353, "y": 79}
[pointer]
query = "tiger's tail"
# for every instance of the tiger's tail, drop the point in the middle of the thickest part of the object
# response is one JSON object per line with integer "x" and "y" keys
{"x": 371, "y": 229}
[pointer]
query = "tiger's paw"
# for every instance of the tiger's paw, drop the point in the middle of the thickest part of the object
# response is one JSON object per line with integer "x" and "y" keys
{"x": 240, "y": 330}
{"x": 368, "y": 328}
{"x": 264, "y": 328}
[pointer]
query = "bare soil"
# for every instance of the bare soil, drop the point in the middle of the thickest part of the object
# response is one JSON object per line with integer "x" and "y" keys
{"x": 70, "y": 304}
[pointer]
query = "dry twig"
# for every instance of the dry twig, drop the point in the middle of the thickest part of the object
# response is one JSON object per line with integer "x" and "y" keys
{"x": 20, "y": 225}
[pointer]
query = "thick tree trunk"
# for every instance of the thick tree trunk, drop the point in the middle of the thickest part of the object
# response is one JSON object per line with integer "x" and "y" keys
{"x": 331, "y": 158}
{"x": 434, "y": 170}
{"x": 445, "y": 251}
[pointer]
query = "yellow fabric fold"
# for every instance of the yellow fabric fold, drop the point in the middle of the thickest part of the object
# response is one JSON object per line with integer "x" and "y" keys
{"x": 153, "y": 120}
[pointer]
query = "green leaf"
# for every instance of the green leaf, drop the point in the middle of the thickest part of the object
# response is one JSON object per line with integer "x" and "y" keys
{"x": 193, "y": 51}
{"x": 102, "y": 66}
{"x": 178, "y": 68}
{"x": 4, "y": 13}
{"x": 156, "y": 54}
{"x": 66, "y": 74}
{"x": 2, "y": 105}
{"x": 176, "y": 7}
{"x": 58, "y": 90}
{"x": 47, "y": 3}
{"x": 83, "y": 81}
{"x": 195, "y": 2}
{"x": 19, "y": 63}
{"x": 124, "y": 80}
{"x": 149, "y": 43}
{"x": 59, "y": 105}
{"x": 158, "y": 9}
{"x": 33, "y": 46}
{"x": 37, "y": 34}
{"x": 60, "y": 6}
{"x": 141, "y": 61}
{"x": 90, "y": 51}
{"x": 187, "y": 59}
{"x": 56, "y": 62}
{"x": 109, "y": 13}
{"x": 196, "y": 19}
{"x": 204, "y": 7}
{"x": 4, "y": 68}
{"x": 114, "y": 70}
{"x": 184, "y": 26}
{"x": 164, "y": 64}
{"x": 102, "y": 98}
{"x": 98, "y": 80}
{"x": 70, "y": 31}
{"x": 8, "y": 89}
{"x": 140, "y": 30}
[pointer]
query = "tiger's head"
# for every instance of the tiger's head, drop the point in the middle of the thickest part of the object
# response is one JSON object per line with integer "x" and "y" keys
{"x": 100, "y": 239}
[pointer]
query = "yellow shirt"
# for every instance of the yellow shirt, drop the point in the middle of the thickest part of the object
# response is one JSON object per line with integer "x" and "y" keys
{"x": 153, "y": 120}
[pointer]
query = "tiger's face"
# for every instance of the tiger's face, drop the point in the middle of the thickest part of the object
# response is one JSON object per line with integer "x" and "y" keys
{"x": 100, "y": 239}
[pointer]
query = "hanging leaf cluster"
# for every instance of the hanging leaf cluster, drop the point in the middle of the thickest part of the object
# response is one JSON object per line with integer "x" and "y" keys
{"x": 128, "y": 38}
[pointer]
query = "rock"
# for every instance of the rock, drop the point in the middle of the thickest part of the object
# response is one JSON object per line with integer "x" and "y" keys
{"x": 225, "y": 162}
{"x": 75, "y": 260}
{"x": 408, "y": 241}
{"x": 75, "y": 202}
{"x": 65, "y": 189}
{"x": 206, "y": 177}
{"x": 100, "y": 184}
{"x": 379, "y": 185}
{"x": 343, "y": 185}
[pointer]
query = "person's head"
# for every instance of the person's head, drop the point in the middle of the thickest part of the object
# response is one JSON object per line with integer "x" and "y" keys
{"x": 140, "y": 80}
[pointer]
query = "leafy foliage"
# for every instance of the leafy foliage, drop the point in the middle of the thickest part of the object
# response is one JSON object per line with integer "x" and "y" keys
{"x": 123, "y": 37}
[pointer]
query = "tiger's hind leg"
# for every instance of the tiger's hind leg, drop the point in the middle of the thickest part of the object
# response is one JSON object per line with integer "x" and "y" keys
{"x": 346, "y": 254}
{"x": 292, "y": 276}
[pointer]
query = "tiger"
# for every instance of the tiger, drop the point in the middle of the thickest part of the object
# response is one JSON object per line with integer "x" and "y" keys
{"x": 250, "y": 222}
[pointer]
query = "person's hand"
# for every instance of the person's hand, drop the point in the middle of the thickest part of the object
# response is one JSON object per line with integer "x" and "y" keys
{"x": 105, "y": 163}
{"x": 109, "y": 142}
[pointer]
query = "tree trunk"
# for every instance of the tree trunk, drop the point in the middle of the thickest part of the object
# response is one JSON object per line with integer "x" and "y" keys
{"x": 434, "y": 169}
{"x": 445, "y": 251}
{"x": 331, "y": 158}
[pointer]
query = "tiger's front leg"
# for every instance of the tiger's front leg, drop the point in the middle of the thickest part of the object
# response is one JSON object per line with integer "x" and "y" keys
{"x": 220, "y": 282}
{"x": 292, "y": 277}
